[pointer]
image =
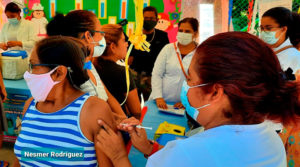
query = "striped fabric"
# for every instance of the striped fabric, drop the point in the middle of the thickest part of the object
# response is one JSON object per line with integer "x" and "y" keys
{"x": 59, "y": 130}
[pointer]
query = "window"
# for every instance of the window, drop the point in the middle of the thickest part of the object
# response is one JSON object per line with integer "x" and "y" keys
{"x": 206, "y": 15}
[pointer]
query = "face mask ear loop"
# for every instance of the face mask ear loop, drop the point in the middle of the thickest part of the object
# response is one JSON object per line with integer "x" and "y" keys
{"x": 203, "y": 106}
{"x": 92, "y": 38}
{"x": 69, "y": 73}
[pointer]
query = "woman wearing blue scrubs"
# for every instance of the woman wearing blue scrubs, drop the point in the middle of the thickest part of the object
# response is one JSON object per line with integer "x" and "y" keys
{"x": 235, "y": 82}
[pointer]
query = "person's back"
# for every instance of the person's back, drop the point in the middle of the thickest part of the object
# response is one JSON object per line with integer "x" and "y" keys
{"x": 227, "y": 145}
{"x": 289, "y": 58}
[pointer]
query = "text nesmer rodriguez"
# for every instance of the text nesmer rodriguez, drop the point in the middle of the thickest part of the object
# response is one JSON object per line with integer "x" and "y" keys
{"x": 52, "y": 155}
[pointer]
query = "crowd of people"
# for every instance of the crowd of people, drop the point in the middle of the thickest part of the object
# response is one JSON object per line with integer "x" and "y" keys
{"x": 233, "y": 84}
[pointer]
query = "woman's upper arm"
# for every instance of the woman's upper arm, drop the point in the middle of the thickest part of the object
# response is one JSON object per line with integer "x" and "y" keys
{"x": 114, "y": 104}
{"x": 133, "y": 103}
{"x": 26, "y": 105}
{"x": 98, "y": 109}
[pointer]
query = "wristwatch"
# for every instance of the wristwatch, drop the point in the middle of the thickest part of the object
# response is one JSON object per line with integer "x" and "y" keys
{"x": 155, "y": 148}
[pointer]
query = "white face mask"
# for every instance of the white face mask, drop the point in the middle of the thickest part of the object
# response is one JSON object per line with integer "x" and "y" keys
{"x": 40, "y": 85}
{"x": 184, "y": 38}
{"x": 99, "y": 49}
{"x": 269, "y": 37}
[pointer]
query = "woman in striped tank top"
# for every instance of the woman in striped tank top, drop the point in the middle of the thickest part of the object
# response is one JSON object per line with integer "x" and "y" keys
{"x": 59, "y": 126}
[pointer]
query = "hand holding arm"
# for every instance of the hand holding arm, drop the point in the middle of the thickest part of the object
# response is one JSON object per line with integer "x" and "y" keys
{"x": 112, "y": 145}
{"x": 138, "y": 136}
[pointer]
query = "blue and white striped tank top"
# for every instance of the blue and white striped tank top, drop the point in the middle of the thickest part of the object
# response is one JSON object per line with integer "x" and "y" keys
{"x": 59, "y": 130}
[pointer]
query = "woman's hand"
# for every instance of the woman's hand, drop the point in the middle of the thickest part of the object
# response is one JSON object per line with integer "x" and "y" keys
{"x": 112, "y": 145}
{"x": 14, "y": 43}
{"x": 178, "y": 105}
{"x": 160, "y": 102}
{"x": 138, "y": 135}
{"x": 3, "y": 46}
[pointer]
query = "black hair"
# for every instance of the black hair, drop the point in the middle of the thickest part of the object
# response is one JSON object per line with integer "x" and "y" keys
{"x": 73, "y": 24}
{"x": 295, "y": 39}
{"x": 12, "y": 7}
{"x": 150, "y": 9}
{"x": 284, "y": 17}
{"x": 192, "y": 21}
{"x": 63, "y": 51}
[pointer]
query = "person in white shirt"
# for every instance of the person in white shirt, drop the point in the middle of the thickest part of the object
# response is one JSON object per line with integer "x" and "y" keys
{"x": 18, "y": 33}
{"x": 280, "y": 30}
{"x": 168, "y": 74}
{"x": 234, "y": 84}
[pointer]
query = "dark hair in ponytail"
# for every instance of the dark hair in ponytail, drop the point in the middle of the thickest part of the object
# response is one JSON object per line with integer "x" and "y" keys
{"x": 295, "y": 39}
{"x": 63, "y": 51}
{"x": 73, "y": 24}
{"x": 284, "y": 17}
{"x": 251, "y": 77}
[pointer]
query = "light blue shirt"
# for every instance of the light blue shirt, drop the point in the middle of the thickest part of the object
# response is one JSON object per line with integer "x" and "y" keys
{"x": 224, "y": 146}
{"x": 167, "y": 76}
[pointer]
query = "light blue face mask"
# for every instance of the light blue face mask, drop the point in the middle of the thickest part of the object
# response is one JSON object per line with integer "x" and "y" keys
{"x": 269, "y": 37}
{"x": 13, "y": 21}
{"x": 99, "y": 49}
{"x": 192, "y": 111}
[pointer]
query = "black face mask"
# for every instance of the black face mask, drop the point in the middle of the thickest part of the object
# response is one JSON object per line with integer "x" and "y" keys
{"x": 149, "y": 24}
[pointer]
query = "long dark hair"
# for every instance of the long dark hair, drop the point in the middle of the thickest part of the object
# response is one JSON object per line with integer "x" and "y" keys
{"x": 284, "y": 17}
{"x": 251, "y": 76}
{"x": 73, "y": 24}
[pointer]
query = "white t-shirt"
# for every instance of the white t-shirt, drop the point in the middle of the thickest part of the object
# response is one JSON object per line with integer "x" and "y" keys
{"x": 224, "y": 146}
{"x": 94, "y": 90}
{"x": 289, "y": 57}
{"x": 167, "y": 75}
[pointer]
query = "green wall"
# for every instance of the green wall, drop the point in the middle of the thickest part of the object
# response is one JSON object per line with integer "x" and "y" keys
{"x": 113, "y": 7}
